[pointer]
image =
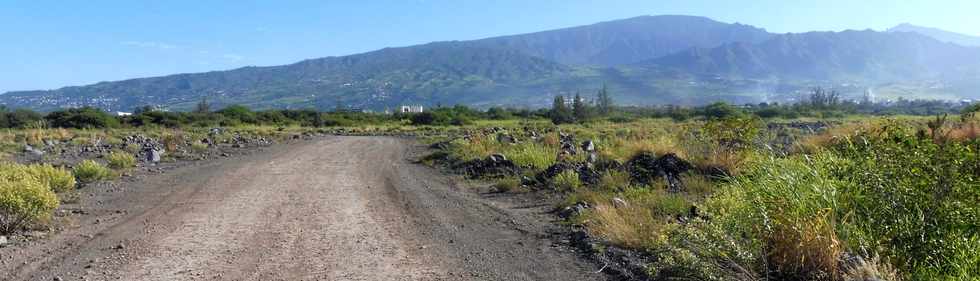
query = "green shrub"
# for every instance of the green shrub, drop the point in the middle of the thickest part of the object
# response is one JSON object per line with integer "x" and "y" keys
{"x": 90, "y": 171}
{"x": 81, "y": 118}
{"x": 720, "y": 110}
{"x": 57, "y": 179}
{"x": 23, "y": 200}
{"x": 914, "y": 195}
{"x": 566, "y": 181}
{"x": 121, "y": 160}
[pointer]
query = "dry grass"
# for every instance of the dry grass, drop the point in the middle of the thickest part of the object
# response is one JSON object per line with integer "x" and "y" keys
{"x": 807, "y": 250}
{"x": 871, "y": 269}
{"x": 171, "y": 139}
{"x": 697, "y": 186}
{"x": 968, "y": 130}
{"x": 631, "y": 226}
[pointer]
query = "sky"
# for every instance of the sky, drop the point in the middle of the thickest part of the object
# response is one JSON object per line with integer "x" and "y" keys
{"x": 46, "y": 44}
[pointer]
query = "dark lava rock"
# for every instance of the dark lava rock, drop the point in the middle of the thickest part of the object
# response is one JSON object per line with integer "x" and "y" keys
{"x": 588, "y": 146}
{"x": 619, "y": 263}
{"x": 153, "y": 156}
{"x": 553, "y": 171}
{"x": 505, "y": 138}
{"x": 645, "y": 167}
{"x": 573, "y": 210}
{"x": 602, "y": 164}
{"x": 442, "y": 145}
{"x": 588, "y": 175}
{"x": 496, "y": 165}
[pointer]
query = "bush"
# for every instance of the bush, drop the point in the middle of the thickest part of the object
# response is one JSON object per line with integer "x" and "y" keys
{"x": 23, "y": 200}
{"x": 56, "y": 179}
{"x": 237, "y": 114}
{"x": 121, "y": 160}
{"x": 914, "y": 195}
{"x": 20, "y": 118}
{"x": 81, "y": 118}
{"x": 90, "y": 171}
{"x": 720, "y": 110}
{"x": 566, "y": 181}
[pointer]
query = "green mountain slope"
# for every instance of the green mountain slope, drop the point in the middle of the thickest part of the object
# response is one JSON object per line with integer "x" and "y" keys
{"x": 645, "y": 60}
{"x": 627, "y": 41}
{"x": 437, "y": 72}
{"x": 833, "y": 56}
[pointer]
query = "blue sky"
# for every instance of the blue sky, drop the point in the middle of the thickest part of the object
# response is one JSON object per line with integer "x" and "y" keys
{"x": 48, "y": 44}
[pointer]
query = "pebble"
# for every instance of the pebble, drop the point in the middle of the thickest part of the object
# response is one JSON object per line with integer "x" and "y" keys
{"x": 3, "y": 240}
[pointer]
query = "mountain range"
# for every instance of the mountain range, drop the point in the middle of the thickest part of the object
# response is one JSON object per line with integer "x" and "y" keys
{"x": 938, "y": 34}
{"x": 644, "y": 60}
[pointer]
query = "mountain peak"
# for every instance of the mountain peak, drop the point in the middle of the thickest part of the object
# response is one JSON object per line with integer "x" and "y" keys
{"x": 938, "y": 34}
{"x": 627, "y": 41}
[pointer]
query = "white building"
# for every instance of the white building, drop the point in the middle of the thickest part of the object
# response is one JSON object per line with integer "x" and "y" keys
{"x": 410, "y": 109}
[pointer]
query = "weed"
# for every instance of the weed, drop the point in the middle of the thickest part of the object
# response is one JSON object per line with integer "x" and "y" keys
{"x": 89, "y": 171}
{"x": 566, "y": 181}
{"x": 23, "y": 200}
{"x": 121, "y": 160}
{"x": 508, "y": 185}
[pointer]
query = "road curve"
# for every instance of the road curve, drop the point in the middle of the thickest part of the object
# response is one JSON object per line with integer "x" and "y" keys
{"x": 338, "y": 208}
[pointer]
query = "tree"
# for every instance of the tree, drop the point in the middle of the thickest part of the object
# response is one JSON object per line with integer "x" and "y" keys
{"x": 143, "y": 109}
{"x": 19, "y": 118}
{"x": 560, "y": 113}
{"x": 580, "y": 109}
{"x": 424, "y": 118}
{"x": 604, "y": 102}
{"x": 203, "y": 106}
{"x": 824, "y": 99}
{"x": 498, "y": 113}
{"x": 971, "y": 108}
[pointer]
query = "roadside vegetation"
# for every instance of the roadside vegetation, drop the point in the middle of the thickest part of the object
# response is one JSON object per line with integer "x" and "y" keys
{"x": 819, "y": 192}
{"x": 823, "y": 189}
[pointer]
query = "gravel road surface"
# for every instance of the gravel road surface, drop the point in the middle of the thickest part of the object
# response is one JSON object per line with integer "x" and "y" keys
{"x": 335, "y": 208}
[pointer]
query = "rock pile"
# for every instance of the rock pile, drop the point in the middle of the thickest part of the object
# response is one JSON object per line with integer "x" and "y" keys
{"x": 496, "y": 165}
{"x": 646, "y": 167}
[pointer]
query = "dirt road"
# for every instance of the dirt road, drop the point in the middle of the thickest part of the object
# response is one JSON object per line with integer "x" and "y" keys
{"x": 339, "y": 208}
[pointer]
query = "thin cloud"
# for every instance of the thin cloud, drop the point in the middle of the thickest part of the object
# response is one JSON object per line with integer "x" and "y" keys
{"x": 150, "y": 45}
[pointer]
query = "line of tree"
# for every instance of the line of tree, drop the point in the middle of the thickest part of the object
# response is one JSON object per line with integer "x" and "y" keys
{"x": 820, "y": 103}
{"x": 581, "y": 110}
